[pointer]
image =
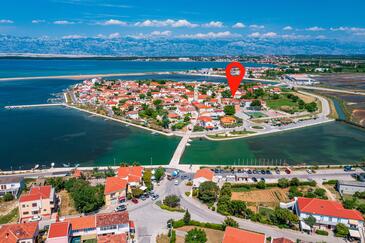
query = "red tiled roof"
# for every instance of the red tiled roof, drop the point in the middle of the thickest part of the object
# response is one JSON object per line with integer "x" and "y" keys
{"x": 114, "y": 184}
{"x": 59, "y": 229}
{"x": 84, "y": 222}
{"x": 206, "y": 173}
{"x": 12, "y": 233}
{"x": 106, "y": 219}
{"x": 130, "y": 170}
{"x": 120, "y": 238}
{"x": 36, "y": 193}
{"x": 234, "y": 235}
{"x": 205, "y": 118}
{"x": 282, "y": 240}
{"x": 327, "y": 208}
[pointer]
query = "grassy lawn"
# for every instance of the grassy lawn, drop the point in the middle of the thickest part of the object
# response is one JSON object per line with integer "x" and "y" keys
{"x": 282, "y": 101}
{"x": 10, "y": 217}
{"x": 162, "y": 239}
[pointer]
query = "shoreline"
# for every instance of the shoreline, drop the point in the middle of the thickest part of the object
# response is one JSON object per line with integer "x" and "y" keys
{"x": 222, "y": 76}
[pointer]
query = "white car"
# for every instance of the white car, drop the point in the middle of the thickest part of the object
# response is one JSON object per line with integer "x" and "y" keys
{"x": 176, "y": 182}
{"x": 35, "y": 218}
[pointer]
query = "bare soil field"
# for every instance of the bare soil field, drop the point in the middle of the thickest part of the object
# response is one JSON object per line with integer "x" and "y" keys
{"x": 268, "y": 197}
{"x": 67, "y": 205}
{"x": 353, "y": 81}
{"x": 214, "y": 236}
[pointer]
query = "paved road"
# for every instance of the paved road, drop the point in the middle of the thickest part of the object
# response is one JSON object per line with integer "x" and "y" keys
{"x": 151, "y": 220}
{"x": 331, "y": 90}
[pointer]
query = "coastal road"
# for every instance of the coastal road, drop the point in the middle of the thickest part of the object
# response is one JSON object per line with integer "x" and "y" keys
{"x": 331, "y": 90}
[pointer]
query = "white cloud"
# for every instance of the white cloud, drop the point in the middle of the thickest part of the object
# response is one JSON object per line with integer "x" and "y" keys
{"x": 321, "y": 37}
{"x": 63, "y": 22}
{"x": 294, "y": 37}
{"x": 113, "y": 22}
{"x": 6, "y": 21}
{"x": 73, "y": 37}
{"x": 166, "y": 23}
{"x": 213, "y": 24}
{"x": 110, "y": 36}
{"x": 288, "y": 28}
{"x": 38, "y": 21}
{"x": 161, "y": 33}
{"x": 238, "y": 25}
{"x": 255, "y": 26}
{"x": 264, "y": 35}
{"x": 348, "y": 29}
{"x": 315, "y": 28}
{"x": 210, "y": 35}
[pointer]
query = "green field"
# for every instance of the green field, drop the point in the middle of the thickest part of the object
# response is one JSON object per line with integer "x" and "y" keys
{"x": 282, "y": 101}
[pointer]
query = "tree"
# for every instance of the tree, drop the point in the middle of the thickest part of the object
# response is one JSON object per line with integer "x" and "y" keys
{"x": 208, "y": 191}
{"x": 196, "y": 236}
{"x": 283, "y": 183}
{"x": 8, "y": 197}
{"x": 311, "y": 107}
{"x": 159, "y": 173}
{"x": 226, "y": 190}
{"x": 229, "y": 110}
{"x": 310, "y": 221}
{"x": 136, "y": 192}
{"x": 187, "y": 217}
{"x": 261, "y": 185}
{"x": 147, "y": 175}
{"x": 238, "y": 208}
{"x": 294, "y": 182}
{"x": 172, "y": 201}
{"x": 255, "y": 103}
{"x": 230, "y": 222}
{"x": 341, "y": 230}
{"x": 349, "y": 203}
{"x": 283, "y": 216}
{"x": 223, "y": 204}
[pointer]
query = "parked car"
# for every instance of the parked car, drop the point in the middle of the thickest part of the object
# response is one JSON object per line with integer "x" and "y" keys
{"x": 268, "y": 172}
{"x": 262, "y": 179}
{"x": 277, "y": 171}
{"x": 176, "y": 182}
{"x": 254, "y": 179}
{"x": 142, "y": 197}
{"x": 134, "y": 200}
{"x": 263, "y": 172}
{"x": 155, "y": 196}
{"x": 249, "y": 172}
{"x": 35, "y": 218}
{"x": 120, "y": 208}
{"x": 309, "y": 171}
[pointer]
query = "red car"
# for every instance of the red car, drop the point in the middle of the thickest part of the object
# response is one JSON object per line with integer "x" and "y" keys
{"x": 134, "y": 200}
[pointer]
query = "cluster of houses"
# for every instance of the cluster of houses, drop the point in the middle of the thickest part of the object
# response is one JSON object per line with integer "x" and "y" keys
{"x": 41, "y": 202}
{"x": 328, "y": 213}
{"x": 180, "y": 99}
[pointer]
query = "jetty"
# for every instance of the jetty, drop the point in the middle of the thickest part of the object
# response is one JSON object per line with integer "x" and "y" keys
{"x": 33, "y": 106}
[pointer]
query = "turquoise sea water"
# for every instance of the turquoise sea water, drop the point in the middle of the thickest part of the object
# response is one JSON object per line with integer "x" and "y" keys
{"x": 56, "y": 67}
{"x": 45, "y": 135}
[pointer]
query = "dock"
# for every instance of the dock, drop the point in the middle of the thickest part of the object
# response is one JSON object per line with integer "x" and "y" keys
{"x": 33, "y": 106}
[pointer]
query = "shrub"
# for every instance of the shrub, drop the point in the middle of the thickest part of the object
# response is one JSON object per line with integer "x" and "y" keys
{"x": 189, "y": 183}
{"x": 230, "y": 222}
{"x": 187, "y": 217}
{"x": 341, "y": 230}
{"x": 8, "y": 197}
{"x": 283, "y": 183}
{"x": 195, "y": 192}
{"x": 321, "y": 232}
{"x": 196, "y": 236}
{"x": 261, "y": 185}
{"x": 173, "y": 236}
{"x": 172, "y": 201}
{"x": 208, "y": 191}
{"x": 187, "y": 194}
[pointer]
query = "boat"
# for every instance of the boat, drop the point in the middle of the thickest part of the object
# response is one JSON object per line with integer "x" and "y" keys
{"x": 36, "y": 167}
{"x": 77, "y": 165}
{"x": 52, "y": 164}
{"x": 188, "y": 144}
{"x": 66, "y": 165}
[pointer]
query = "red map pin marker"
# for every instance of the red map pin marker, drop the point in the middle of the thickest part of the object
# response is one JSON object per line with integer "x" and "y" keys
{"x": 235, "y": 77}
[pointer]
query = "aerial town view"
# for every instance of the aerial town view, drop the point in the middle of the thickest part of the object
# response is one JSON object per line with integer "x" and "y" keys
{"x": 150, "y": 121}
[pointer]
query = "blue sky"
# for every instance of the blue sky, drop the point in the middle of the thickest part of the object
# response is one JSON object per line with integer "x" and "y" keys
{"x": 197, "y": 19}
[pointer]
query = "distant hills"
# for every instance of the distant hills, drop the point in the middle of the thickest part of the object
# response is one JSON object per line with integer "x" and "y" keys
{"x": 129, "y": 46}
